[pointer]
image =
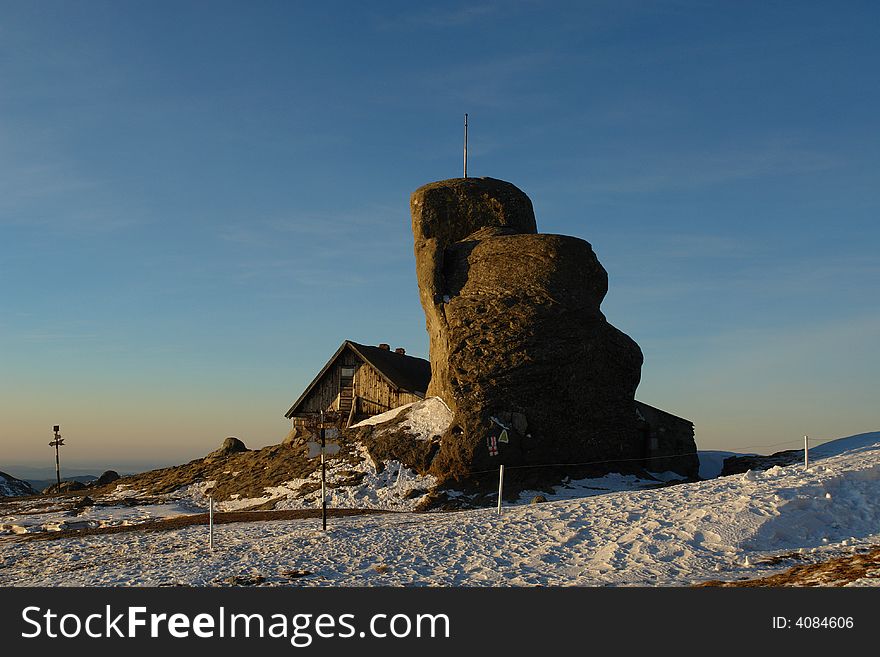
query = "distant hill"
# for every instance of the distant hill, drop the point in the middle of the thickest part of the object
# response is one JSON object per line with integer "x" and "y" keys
{"x": 12, "y": 487}
{"x": 42, "y": 484}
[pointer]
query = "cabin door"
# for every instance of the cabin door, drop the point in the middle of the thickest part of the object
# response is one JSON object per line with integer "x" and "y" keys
{"x": 346, "y": 389}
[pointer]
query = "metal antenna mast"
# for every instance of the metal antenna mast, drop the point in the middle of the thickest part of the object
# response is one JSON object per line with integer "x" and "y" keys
{"x": 465, "y": 145}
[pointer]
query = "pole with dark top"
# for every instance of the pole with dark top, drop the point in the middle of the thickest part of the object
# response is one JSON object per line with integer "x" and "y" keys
{"x": 56, "y": 444}
{"x": 323, "y": 477}
{"x": 465, "y": 144}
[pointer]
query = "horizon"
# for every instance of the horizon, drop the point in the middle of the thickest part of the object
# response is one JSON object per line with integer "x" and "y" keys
{"x": 201, "y": 202}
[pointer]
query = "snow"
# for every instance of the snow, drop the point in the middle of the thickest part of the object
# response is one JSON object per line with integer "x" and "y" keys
{"x": 56, "y": 519}
{"x": 424, "y": 419}
{"x": 382, "y": 417}
{"x": 862, "y": 441}
{"x": 390, "y": 488}
{"x": 724, "y": 528}
{"x": 712, "y": 461}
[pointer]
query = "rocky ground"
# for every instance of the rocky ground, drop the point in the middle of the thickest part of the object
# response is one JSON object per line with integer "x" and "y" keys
{"x": 858, "y": 569}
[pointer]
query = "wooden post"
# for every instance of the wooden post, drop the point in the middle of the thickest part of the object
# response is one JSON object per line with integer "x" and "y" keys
{"x": 323, "y": 477}
{"x": 500, "y": 486}
{"x": 56, "y": 444}
{"x": 352, "y": 413}
{"x": 806, "y": 452}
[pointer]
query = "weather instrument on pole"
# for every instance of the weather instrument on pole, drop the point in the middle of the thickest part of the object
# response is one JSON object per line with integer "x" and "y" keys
{"x": 58, "y": 442}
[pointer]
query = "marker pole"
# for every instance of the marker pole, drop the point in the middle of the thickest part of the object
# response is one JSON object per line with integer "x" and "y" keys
{"x": 500, "y": 486}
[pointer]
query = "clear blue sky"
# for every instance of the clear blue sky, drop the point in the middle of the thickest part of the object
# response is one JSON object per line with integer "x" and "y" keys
{"x": 200, "y": 200}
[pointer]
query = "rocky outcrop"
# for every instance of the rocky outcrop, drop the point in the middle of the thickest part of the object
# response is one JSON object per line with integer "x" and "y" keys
{"x": 518, "y": 343}
{"x": 230, "y": 446}
{"x": 740, "y": 464}
{"x": 107, "y": 477}
{"x": 65, "y": 487}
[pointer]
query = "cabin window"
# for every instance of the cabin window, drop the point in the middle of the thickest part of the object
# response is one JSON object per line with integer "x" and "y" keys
{"x": 346, "y": 372}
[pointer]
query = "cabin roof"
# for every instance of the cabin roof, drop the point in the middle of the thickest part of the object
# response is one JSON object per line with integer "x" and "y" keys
{"x": 661, "y": 411}
{"x": 401, "y": 372}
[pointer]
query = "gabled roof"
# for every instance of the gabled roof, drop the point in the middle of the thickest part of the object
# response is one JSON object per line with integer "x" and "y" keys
{"x": 403, "y": 373}
{"x": 660, "y": 410}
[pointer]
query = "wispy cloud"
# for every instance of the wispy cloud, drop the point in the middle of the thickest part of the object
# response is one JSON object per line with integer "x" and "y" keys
{"x": 40, "y": 187}
{"x": 695, "y": 170}
{"x": 328, "y": 231}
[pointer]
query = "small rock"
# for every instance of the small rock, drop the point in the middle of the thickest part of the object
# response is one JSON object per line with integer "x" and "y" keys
{"x": 245, "y": 580}
{"x": 84, "y": 502}
{"x": 537, "y": 499}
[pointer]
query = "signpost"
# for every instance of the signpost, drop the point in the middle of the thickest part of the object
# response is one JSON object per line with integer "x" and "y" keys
{"x": 56, "y": 444}
{"x": 327, "y": 428}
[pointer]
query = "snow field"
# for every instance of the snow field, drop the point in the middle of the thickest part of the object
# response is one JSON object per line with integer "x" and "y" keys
{"x": 723, "y": 528}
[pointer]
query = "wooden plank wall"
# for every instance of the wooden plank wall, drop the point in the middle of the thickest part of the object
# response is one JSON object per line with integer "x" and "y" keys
{"x": 375, "y": 394}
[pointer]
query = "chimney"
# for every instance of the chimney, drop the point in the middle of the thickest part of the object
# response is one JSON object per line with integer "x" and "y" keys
{"x": 385, "y": 346}
{"x": 400, "y": 350}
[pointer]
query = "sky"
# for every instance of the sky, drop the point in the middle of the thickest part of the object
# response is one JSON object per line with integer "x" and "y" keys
{"x": 199, "y": 201}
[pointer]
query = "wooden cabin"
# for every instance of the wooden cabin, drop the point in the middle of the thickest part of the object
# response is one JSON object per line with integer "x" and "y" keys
{"x": 362, "y": 380}
{"x": 668, "y": 441}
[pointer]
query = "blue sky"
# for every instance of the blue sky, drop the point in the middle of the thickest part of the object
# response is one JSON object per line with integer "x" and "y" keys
{"x": 200, "y": 200}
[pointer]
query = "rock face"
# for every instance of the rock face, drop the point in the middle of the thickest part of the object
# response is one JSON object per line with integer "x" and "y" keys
{"x": 516, "y": 334}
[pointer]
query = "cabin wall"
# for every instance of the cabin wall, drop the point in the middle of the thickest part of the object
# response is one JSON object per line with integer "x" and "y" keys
{"x": 325, "y": 395}
{"x": 374, "y": 394}
{"x": 669, "y": 442}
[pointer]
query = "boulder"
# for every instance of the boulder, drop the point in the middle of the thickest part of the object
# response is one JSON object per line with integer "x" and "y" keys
{"x": 517, "y": 340}
{"x": 106, "y": 478}
{"x": 298, "y": 436}
{"x": 65, "y": 487}
{"x": 230, "y": 446}
{"x": 84, "y": 503}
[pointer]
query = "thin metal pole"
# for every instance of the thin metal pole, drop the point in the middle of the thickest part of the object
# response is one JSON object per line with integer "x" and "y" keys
{"x": 323, "y": 477}
{"x": 211, "y": 522}
{"x": 465, "y": 144}
{"x": 806, "y": 452}
{"x": 500, "y": 486}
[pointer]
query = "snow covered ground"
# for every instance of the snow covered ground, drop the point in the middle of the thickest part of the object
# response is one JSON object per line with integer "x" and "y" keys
{"x": 57, "y": 519}
{"x": 725, "y": 528}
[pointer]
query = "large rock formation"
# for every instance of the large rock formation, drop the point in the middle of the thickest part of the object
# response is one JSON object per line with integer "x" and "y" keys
{"x": 516, "y": 334}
